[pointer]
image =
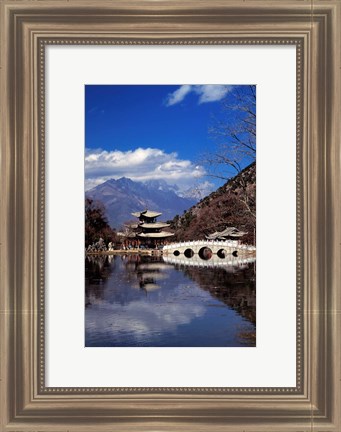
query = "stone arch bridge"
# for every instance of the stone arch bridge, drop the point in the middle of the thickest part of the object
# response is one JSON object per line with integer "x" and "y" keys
{"x": 206, "y": 248}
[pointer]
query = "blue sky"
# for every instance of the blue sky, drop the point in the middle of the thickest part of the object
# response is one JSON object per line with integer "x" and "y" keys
{"x": 151, "y": 132}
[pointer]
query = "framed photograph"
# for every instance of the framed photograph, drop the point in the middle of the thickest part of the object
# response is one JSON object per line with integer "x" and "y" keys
{"x": 170, "y": 236}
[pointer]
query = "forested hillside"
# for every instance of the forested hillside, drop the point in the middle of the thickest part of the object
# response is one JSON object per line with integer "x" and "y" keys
{"x": 232, "y": 205}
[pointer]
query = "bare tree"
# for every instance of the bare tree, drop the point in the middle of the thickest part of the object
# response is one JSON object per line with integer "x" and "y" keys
{"x": 235, "y": 137}
{"x": 234, "y": 134}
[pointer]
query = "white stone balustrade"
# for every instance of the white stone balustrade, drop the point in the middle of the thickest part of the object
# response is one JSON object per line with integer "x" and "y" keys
{"x": 229, "y": 246}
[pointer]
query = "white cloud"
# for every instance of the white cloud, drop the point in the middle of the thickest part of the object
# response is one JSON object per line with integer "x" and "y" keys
{"x": 206, "y": 93}
{"x": 138, "y": 317}
{"x": 107, "y": 317}
{"x": 178, "y": 95}
{"x": 141, "y": 164}
{"x": 212, "y": 92}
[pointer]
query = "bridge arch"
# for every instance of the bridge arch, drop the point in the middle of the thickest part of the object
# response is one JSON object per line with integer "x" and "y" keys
{"x": 217, "y": 248}
{"x": 205, "y": 253}
{"x": 189, "y": 253}
{"x": 222, "y": 253}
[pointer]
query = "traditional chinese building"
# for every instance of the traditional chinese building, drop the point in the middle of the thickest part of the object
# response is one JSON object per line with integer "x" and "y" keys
{"x": 150, "y": 230}
{"x": 230, "y": 233}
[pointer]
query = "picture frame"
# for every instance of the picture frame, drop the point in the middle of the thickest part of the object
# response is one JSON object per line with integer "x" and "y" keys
{"x": 27, "y": 28}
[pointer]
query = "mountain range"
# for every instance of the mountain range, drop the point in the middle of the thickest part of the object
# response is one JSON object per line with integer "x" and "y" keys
{"x": 123, "y": 196}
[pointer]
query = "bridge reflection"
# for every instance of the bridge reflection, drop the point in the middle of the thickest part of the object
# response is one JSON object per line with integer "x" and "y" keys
{"x": 230, "y": 263}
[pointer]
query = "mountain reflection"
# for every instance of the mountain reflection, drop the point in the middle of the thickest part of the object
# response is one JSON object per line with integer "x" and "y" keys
{"x": 238, "y": 292}
{"x": 145, "y": 301}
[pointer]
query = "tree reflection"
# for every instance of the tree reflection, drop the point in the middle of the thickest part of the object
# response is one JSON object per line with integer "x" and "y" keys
{"x": 97, "y": 270}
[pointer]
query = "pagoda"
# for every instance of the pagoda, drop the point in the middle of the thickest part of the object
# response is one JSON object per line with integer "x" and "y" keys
{"x": 149, "y": 229}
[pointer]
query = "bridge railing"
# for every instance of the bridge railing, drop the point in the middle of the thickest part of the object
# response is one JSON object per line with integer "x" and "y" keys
{"x": 208, "y": 243}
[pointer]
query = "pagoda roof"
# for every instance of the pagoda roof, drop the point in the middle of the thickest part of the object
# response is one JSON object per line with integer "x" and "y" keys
{"x": 161, "y": 234}
{"x": 227, "y": 232}
{"x": 154, "y": 225}
{"x": 147, "y": 214}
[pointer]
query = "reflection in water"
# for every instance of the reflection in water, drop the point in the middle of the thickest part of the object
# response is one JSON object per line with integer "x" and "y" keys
{"x": 170, "y": 302}
{"x": 231, "y": 263}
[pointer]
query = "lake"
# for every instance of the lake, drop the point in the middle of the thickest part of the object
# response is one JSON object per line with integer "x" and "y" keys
{"x": 136, "y": 301}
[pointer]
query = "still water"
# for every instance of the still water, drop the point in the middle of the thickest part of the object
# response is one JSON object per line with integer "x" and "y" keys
{"x": 134, "y": 301}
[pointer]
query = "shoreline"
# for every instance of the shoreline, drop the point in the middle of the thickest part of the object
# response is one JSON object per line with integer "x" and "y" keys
{"x": 147, "y": 252}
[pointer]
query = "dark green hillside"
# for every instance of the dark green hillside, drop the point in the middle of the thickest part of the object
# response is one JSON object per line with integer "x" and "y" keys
{"x": 233, "y": 204}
